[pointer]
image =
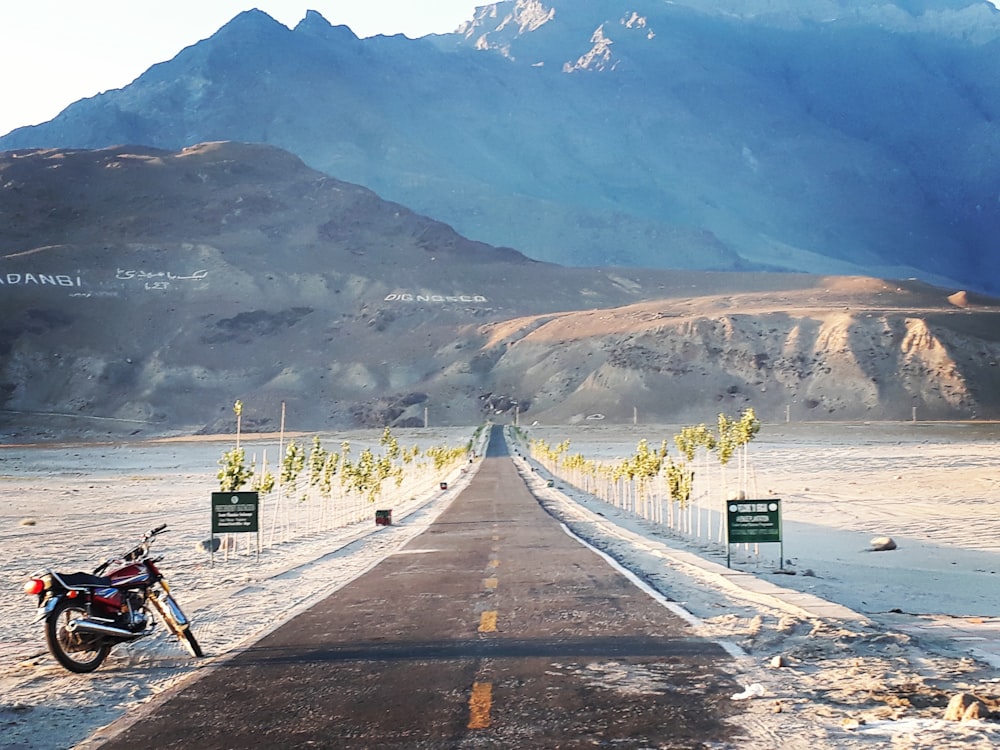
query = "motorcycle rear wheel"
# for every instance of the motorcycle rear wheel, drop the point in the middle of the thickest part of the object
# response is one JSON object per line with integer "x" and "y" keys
{"x": 77, "y": 652}
{"x": 183, "y": 632}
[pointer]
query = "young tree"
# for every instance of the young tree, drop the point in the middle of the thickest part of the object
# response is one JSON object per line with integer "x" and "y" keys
{"x": 680, "y": 480}
{"x": 238, "y": 411}
{"x": 234, "y": 473}
{"x": 744, "y": 431}
{"x": 317, "y": 462}
{"x": 293, "y": 463}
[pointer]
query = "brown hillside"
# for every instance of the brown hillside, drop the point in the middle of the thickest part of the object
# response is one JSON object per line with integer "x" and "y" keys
{"x": 144, "y": 291}
{"x": 847, "y": 349}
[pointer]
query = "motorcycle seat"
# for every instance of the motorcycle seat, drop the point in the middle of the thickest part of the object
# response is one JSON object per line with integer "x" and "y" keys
{"x": 84, "y": 579}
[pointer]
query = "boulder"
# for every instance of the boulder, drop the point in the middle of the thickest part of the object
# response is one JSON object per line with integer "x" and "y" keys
{"x": 882, "y": 544}
{"x": 210, "y": 545}
{"x": 965, "y": 706}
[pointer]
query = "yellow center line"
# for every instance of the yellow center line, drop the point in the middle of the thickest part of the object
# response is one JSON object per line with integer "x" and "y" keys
{"x": 488, "y": 621}
{"x": 480, "y": 703}
{"x": 490, "y": 583}
{"x": 494, "y": 563}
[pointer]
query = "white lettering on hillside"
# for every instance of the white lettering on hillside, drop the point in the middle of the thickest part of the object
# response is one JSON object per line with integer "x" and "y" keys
{"x": 101, "y": 294}
{"x": 436, "y": 298}
{"x": 39, "y": 279}
{"x": 125, "y": 274}
{"x": 158, "y": 280}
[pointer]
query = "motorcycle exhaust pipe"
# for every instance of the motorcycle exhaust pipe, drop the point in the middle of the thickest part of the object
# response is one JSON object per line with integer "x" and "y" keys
{"x": 99, "y": 628}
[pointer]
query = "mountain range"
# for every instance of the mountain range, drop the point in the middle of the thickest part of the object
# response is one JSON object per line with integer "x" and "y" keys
{"x": 143, "y": 291}
{"x": 820, "y": 136}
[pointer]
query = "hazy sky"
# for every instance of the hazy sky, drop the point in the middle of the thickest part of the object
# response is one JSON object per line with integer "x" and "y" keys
{"x": 53, "y": 52}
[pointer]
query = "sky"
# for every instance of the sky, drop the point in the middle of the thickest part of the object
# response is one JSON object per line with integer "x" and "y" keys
{"x": 54, "y": 52}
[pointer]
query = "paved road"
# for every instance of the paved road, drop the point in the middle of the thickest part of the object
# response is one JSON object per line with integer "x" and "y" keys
{"x": 493, "y": 628}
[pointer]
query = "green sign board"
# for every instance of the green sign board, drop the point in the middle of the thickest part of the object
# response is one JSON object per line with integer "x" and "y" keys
{"x": 754, "y": 520}
{"x": 233, "y": 512}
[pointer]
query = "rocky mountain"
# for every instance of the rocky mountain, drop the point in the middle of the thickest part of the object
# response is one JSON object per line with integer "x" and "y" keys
{"x": 142, "y": 291}
{"x": 827, "y": 136}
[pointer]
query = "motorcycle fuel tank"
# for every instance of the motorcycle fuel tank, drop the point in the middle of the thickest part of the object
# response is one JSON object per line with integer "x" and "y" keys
{"x": 129, "y": 575}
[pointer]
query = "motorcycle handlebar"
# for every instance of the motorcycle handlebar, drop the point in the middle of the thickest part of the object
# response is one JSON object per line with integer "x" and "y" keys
{"x": 141, "y": 549}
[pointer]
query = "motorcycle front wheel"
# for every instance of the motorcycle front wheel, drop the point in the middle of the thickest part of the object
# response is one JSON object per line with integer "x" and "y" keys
{"x": 172, "y": 617}
{"x": 77, "y": 652}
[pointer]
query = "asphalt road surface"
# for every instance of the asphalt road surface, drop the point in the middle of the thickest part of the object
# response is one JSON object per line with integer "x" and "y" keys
{"x": 493, "y": 629}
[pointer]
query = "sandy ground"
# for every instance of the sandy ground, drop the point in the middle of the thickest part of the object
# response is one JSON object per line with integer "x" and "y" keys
{"x": 882, "y": 679}
{"x": 928, "y": 613}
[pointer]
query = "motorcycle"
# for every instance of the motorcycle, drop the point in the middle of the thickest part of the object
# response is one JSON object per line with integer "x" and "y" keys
{"x": 86, "y": 614}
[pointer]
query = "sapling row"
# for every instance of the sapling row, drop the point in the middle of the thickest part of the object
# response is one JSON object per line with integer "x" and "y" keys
{"x": 656, "y": 485}
{"x": 319, "y": 489}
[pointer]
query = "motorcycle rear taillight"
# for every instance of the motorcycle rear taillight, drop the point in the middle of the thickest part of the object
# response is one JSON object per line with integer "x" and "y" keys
{"x": 34, "y": 587}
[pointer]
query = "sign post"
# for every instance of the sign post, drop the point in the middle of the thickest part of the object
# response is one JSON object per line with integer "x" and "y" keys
{"x": 235, "y": 513}
{"x": 754, "y": 521}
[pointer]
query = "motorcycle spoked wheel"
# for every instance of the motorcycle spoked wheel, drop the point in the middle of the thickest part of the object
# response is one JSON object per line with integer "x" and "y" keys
{"x": 183, "y": 632}
{"x": 77, "y": 652}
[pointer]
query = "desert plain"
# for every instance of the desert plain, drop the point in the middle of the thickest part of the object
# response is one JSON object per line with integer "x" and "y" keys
{"x": 924, "y": 623}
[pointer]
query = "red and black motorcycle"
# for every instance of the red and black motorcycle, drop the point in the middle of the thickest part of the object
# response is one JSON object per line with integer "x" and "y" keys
{"x": 86, "y": 614}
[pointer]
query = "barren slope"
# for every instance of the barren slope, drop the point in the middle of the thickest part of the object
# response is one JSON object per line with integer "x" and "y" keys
{"x": 849, "y": 348}
{"x": 143, "y": 291}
